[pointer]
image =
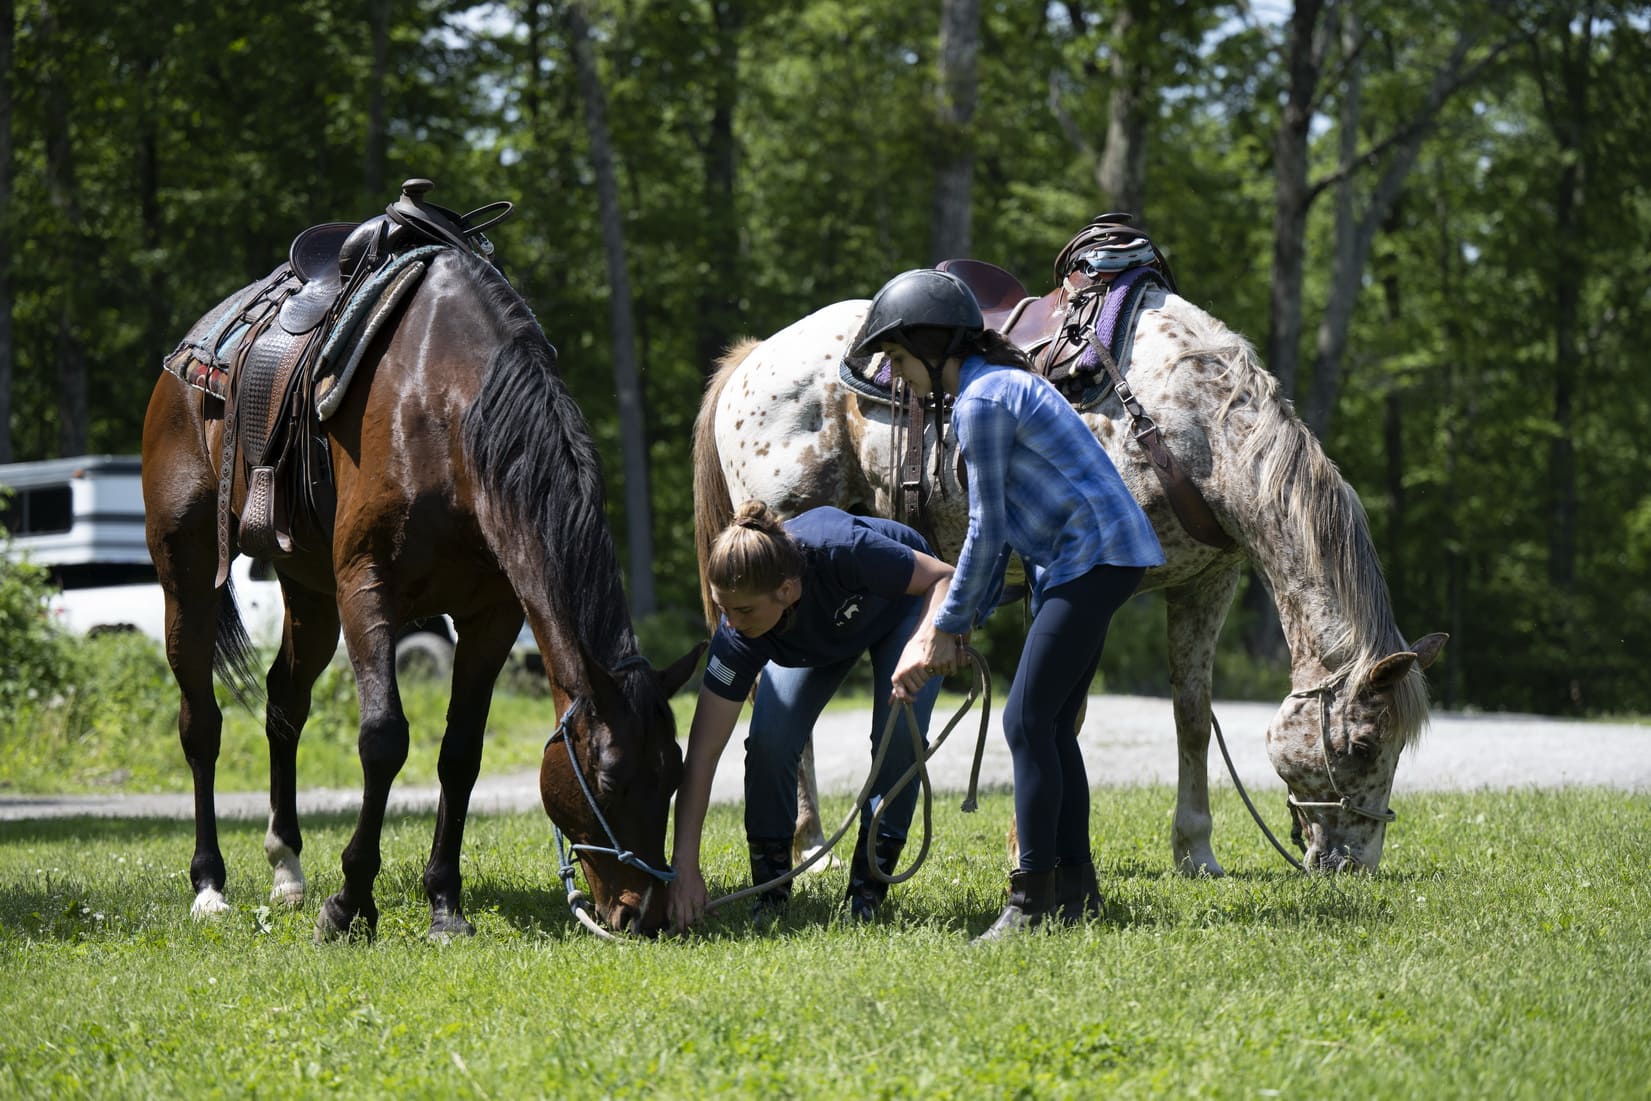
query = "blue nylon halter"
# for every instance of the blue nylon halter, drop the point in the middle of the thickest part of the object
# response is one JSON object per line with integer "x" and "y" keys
{"x": 613, "y": 849}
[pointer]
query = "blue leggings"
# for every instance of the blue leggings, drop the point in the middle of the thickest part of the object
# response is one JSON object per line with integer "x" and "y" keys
{"x": 1040, "y": 717}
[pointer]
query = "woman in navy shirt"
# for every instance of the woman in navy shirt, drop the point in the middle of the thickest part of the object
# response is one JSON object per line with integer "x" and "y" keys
{"x": 801, "y": 601}
{"x": 1040, "y": 485}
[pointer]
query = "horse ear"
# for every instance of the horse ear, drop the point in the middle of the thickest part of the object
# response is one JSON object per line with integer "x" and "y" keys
{"x": 1428, "y": 647}
{"x": 1390, "y": 671}
{"x": 673, "y": 677}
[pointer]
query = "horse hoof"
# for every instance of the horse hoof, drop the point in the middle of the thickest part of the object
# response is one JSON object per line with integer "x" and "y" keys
{"x": 1206, "y": 867}
{"x": 803, "y": 856}
{"x": 287, "y": 891}
{"x": 445, "y": 927}
{"x": 336, "y": 922}
{"x": 209, "y": 903}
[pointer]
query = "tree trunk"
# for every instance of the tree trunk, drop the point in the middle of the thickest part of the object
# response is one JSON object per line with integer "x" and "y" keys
{"x": 1568, "y": 119}
{"x": 71, "y": 270}
{"x": 1121, "y": 174}
{"x": 8, "y": 13}
{"x": 1355, "y": 231}
{"x": 1304, "y": 58}
{"x": 633, "y": 433}
{"x": 374, "y": 148}
{"x": 957, "y": 89}
{"x": 533, "y": 28}
{"x": 719, "y": 309}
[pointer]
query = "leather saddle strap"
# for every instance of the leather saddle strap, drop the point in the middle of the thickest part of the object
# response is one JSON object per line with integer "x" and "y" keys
{"x": 1181, "y": 491}
{"x": 230, "y": 442}
{"x": 911, "y": 463}
{"x": 1081, "y": 312}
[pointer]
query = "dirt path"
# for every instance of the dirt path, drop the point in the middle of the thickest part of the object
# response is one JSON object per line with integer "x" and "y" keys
{"x": 1126, "y": 740}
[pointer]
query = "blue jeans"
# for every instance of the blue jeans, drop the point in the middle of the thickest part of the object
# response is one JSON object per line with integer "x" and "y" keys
{"x": 789, "y": 700}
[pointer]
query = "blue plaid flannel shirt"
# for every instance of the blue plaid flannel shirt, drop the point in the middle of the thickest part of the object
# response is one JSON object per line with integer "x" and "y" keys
{"x": 1039, "y": 484}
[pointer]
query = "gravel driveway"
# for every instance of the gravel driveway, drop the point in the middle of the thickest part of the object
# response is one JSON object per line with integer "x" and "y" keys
{"x": 1126, "y": 740}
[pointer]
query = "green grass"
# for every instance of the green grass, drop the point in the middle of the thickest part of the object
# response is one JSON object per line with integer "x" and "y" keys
{"x": 1503, "y": 951}
{"x": 145, "y": 755}
{"x": 119, "y": 733}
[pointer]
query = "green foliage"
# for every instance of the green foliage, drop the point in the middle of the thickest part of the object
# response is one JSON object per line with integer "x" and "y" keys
{"x": 1481, "y": 961}
{"x": 36, "y": 660}
{"x": 200, "y": 138}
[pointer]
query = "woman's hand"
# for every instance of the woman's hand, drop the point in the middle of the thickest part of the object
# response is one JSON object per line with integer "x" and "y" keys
{"x": 929, "y": 653}
{"x": 686, "y": 897}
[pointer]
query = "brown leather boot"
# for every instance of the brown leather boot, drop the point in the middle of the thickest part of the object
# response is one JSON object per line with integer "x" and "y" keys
{"x": 1077, "y": 894}
{"x": 1031, "y": 902}
{"x": 866, "y": 891}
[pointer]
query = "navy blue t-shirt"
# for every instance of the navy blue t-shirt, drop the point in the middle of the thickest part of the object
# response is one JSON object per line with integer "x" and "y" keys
{"x": 855, "y": 573}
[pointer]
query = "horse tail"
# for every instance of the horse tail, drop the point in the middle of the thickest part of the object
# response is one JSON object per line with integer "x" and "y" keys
{"x": 232, "y": 653}
{"x": 713, "y": 507}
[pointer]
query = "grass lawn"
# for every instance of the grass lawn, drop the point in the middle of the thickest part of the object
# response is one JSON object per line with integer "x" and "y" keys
{"x": 1503, "y": 951}
{"x": 135, "y": 749}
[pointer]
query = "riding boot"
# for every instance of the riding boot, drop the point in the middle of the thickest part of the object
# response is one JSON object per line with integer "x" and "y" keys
{"x": 1031, "y": 901}
{"x": 1077, "y": 894}
{"x": 770, "y": 859}
{"x": 865, "y": 890}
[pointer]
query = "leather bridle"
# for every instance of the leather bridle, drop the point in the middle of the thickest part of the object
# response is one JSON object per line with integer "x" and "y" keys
{"x": 1324, "y": 691}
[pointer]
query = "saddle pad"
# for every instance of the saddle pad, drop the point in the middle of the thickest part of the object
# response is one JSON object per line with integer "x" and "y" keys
{"x": 1116, "y": 329}
{"x": 369, "y": 310}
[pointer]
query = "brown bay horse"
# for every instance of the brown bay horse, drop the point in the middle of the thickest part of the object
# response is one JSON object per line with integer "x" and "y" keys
{"x": 463, "y": 481}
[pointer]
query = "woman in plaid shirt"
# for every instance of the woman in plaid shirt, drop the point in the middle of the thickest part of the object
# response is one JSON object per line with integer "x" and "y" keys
{"x": 1042, "y": 486}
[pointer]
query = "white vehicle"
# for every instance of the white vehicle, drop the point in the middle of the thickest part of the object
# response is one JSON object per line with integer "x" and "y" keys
{"x": 82, "y": 518}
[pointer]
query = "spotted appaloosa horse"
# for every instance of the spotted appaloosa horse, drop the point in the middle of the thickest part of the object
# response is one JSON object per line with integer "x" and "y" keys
{"x": 778, "y": 424}
{"x": 466, "y": 482}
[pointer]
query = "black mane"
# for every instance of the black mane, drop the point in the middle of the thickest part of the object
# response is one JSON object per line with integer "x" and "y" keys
{"x": 533, "y": 456}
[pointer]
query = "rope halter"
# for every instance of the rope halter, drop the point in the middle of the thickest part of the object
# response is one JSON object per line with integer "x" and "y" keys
{"x": 1324, "y": 691}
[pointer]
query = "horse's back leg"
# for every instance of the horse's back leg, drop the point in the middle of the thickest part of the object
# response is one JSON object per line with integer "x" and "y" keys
{"x": 1196, "y": 612}
{"x": 483, "y": 646}
{"x": 308, "y": 639}
{"x": 369, "y": 636}
{"x": 191, "y": 628}
{"x": 809, "y": 835}
{"x": 182, "y": 543}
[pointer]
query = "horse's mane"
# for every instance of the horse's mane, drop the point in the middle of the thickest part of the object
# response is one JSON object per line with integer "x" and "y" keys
{"x": 713, "y": 508}
{"x": 1300, "y": 487}
{"x": 537, "y": 468}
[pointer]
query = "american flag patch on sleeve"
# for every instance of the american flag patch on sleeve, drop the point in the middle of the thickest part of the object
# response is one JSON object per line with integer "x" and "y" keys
{"x": 721, "y": 672}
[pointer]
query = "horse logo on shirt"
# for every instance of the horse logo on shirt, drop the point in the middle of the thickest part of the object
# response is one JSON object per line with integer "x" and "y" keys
{"x": 847, "y": 611}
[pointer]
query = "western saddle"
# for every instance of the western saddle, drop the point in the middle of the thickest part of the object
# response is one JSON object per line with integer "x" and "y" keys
{"x": 280, "y": 352}
{"x": 1078, "y": 337}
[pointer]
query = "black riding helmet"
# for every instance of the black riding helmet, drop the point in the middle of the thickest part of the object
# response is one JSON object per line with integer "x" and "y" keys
{"x": 922, "y": 298}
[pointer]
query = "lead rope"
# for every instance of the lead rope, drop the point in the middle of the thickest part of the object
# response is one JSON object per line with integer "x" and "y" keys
{"x": 1322, "y": 691}
{"x": 1221, "y": 741}
{"x": 980, "y": 689}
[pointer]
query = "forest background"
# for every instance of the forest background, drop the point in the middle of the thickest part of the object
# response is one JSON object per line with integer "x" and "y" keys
{"x": 1430, "y": 217}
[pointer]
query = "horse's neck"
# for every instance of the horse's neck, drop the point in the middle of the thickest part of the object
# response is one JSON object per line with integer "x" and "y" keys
{"x": 1327, "y": 622}
{"x": 1314, "y": 630}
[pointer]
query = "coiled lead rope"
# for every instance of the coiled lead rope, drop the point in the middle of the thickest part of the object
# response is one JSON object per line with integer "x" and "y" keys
{"x": 980, "y": 689}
